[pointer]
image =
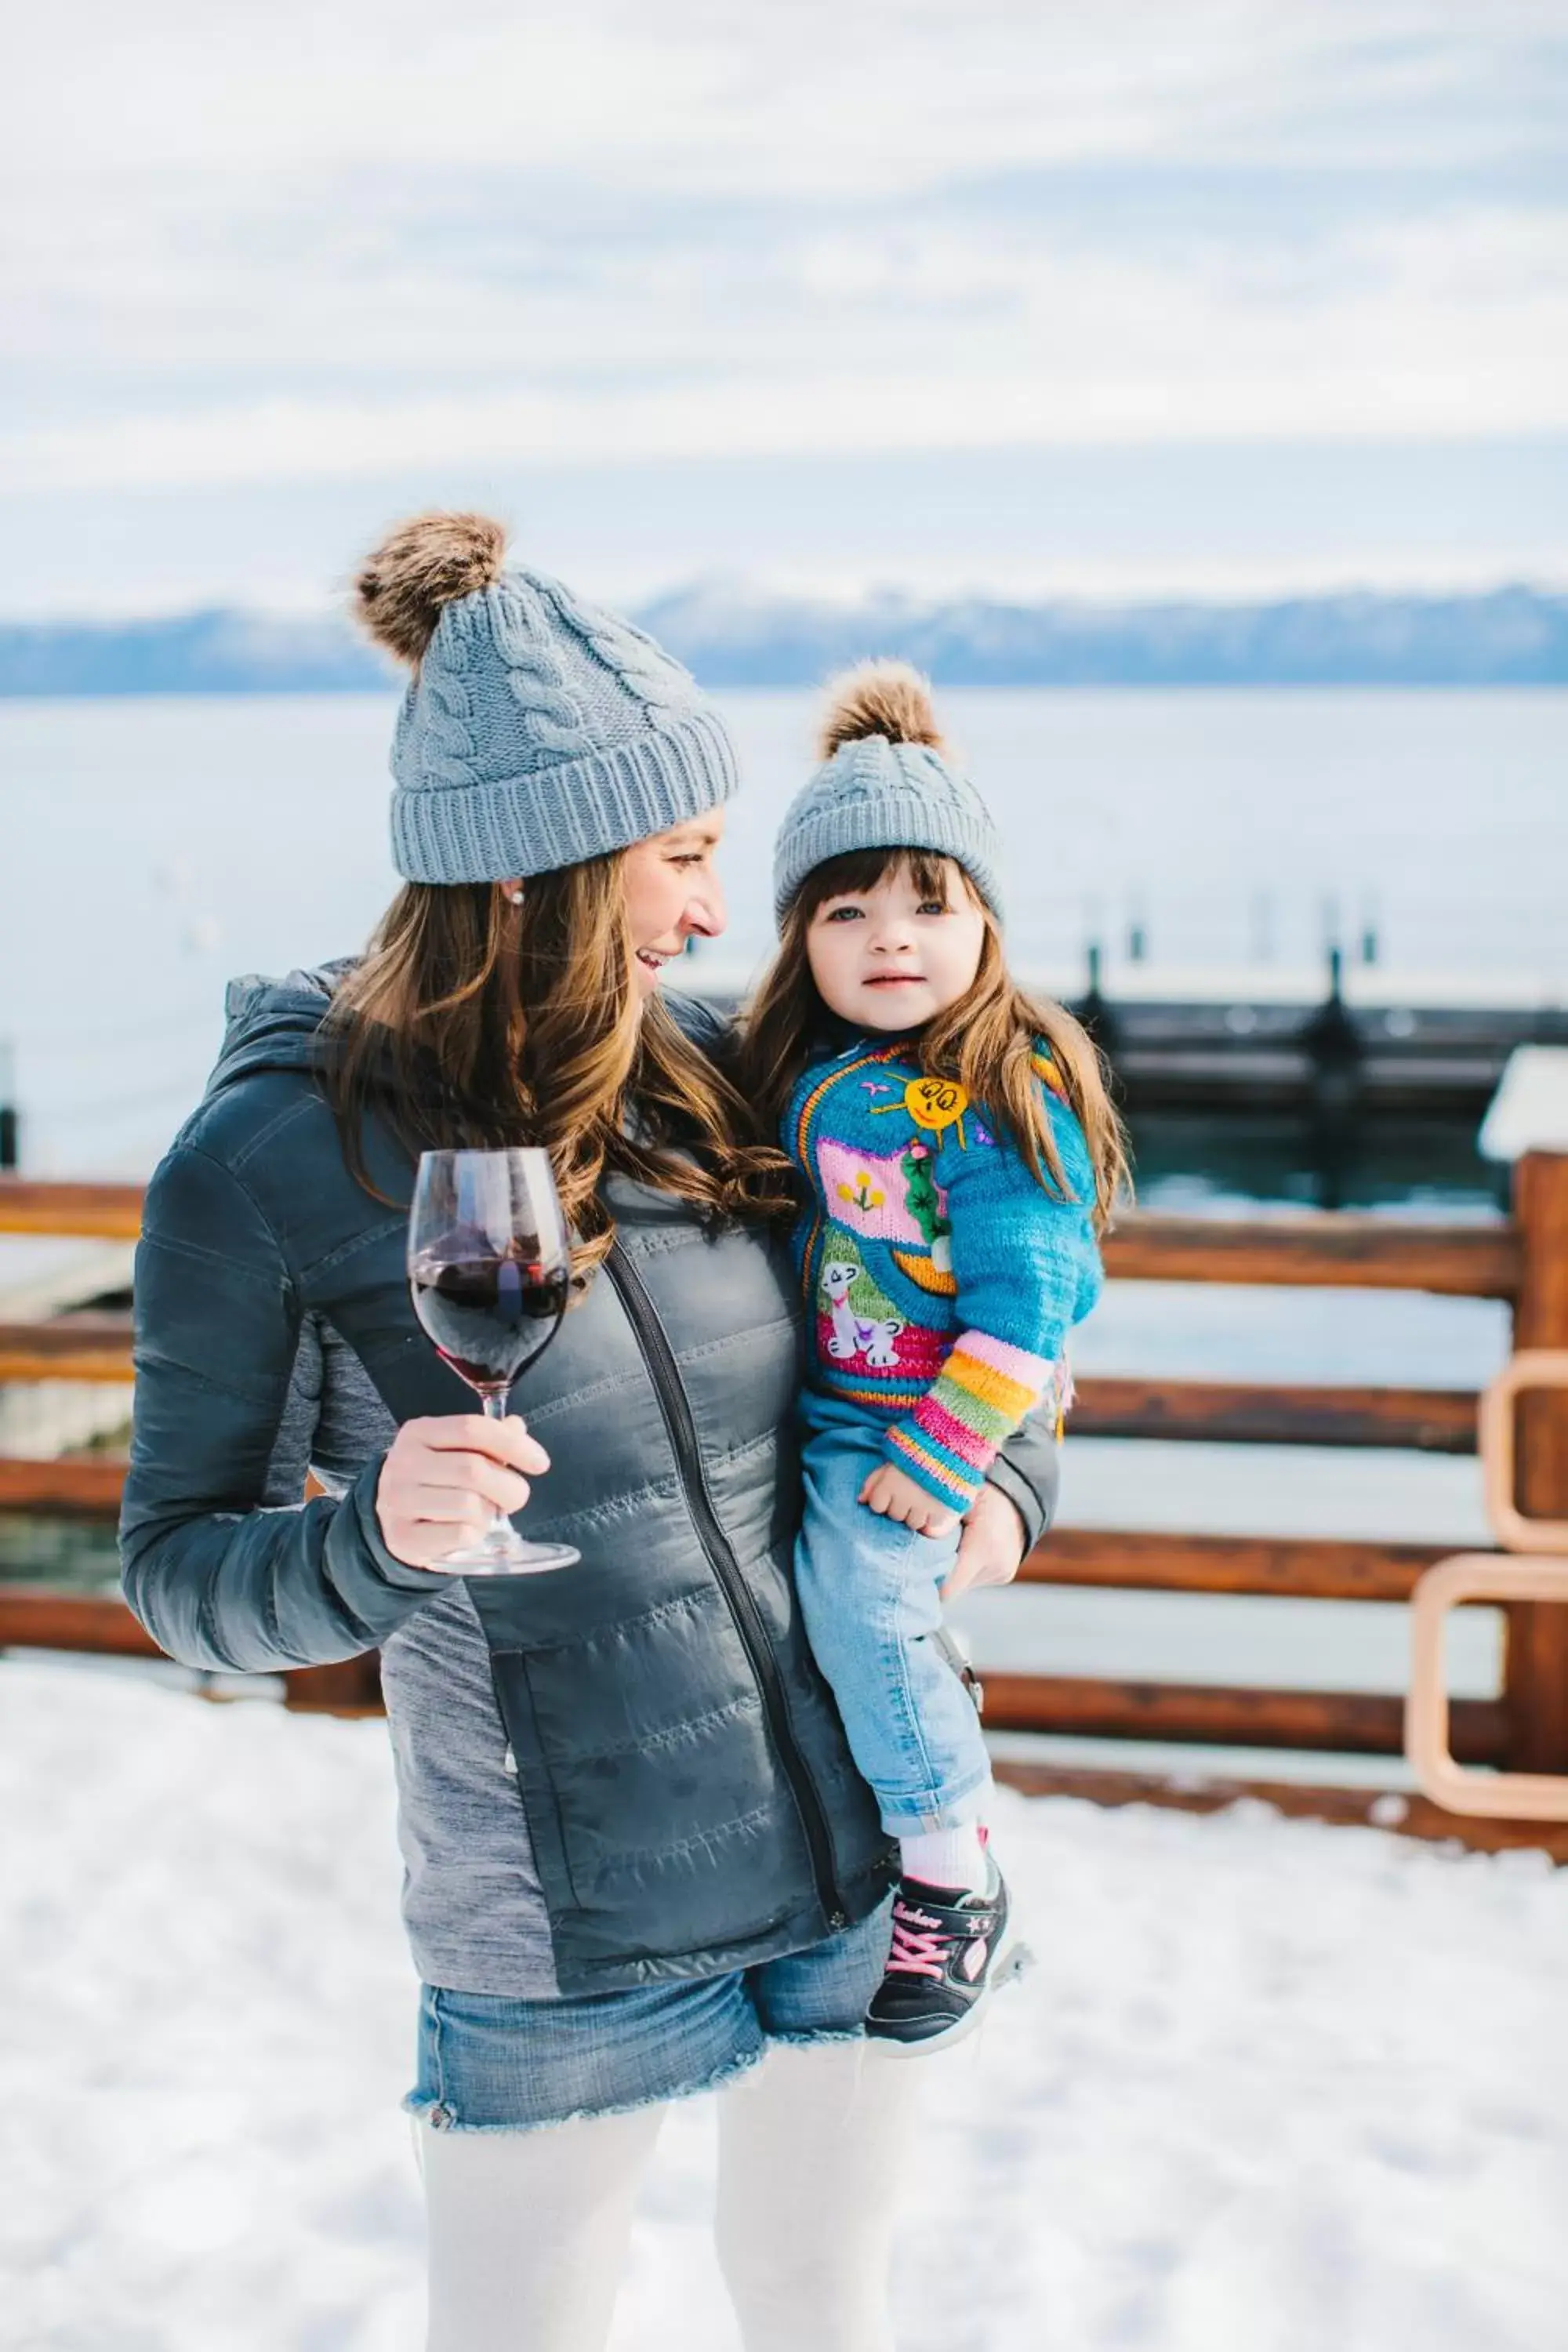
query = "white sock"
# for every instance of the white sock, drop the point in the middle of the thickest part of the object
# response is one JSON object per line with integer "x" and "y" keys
{"x": 947, "y": 1858}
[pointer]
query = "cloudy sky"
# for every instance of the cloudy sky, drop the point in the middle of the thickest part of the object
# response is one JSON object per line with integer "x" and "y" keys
{"x": 1193, "y": 293}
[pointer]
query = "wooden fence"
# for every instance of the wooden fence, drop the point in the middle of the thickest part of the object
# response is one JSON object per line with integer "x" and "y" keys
{"x": 1523, "y": 1262}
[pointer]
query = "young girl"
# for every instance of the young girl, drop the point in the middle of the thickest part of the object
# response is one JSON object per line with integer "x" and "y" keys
{"x": 960, "y": 1156}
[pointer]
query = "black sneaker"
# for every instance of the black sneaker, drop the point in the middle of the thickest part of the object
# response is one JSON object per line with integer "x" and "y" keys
{"x": 950, "y": 1950}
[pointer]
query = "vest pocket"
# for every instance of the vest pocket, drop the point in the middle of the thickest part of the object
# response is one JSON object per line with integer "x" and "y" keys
{"x": 508, "y": 1672}
{"x": 662, "y": 1828}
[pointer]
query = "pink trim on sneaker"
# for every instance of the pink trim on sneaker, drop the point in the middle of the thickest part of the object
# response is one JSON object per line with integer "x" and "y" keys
{"x": 919, "y": 1943}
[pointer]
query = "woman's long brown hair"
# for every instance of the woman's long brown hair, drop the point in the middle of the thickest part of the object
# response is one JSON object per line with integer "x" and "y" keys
{"x": 473, "y": 1021}
{"x": 987, "y": 1041}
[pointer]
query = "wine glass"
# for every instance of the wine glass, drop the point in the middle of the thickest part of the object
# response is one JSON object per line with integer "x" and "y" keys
{"x": 490, "y": 1266}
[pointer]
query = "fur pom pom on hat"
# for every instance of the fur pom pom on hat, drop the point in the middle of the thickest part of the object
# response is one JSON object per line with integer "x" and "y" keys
{"x": 537, "y": 730}
{"x": 419, "y": 568}
{"x": 888, "y": 780}
{"x": 879, "y": 697}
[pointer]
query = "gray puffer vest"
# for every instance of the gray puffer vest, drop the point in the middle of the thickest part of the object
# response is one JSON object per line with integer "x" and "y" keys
{"x": 691, "y": 1799}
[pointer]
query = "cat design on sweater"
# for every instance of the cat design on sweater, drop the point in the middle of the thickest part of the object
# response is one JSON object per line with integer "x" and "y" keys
{"x": 855, "y": 1335}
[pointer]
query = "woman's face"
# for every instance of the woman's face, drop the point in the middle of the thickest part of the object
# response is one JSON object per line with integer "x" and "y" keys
{"x": 673, "y": 893}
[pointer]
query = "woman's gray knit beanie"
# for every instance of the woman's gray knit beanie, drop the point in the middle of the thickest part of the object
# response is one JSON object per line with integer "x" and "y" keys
{"x": 888, "y": 782}
{"x": 537, "y": 730}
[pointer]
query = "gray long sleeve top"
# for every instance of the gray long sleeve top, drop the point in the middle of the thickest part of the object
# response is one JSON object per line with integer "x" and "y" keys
{"x": 472, "y": 1903}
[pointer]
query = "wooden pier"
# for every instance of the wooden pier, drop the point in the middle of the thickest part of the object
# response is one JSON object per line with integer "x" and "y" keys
{"x": 1352, "y": 1041}
{"x": 1382, "y": 1059}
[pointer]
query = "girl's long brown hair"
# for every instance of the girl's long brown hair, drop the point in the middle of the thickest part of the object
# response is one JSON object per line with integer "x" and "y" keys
{"x": 473, "y": 1021}
{"x": 987, "y": 1041}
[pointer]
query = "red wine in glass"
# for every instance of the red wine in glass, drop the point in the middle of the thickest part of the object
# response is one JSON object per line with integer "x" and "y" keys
{"x": 490, "y": 1269}
{"x": 489, "y": 1316}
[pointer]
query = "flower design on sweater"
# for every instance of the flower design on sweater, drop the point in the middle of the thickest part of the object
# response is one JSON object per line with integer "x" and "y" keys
{"x": 863, "y": 1194}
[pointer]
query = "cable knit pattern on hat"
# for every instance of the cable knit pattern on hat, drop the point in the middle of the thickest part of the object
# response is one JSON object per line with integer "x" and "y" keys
{"x": 638, "y": 660}
{"x": 537, "y": 679}
{"x": 539, "y": 729}
{"x": 876, "y": 794}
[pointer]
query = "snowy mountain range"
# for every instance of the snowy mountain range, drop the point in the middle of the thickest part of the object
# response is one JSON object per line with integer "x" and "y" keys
{"x": 730, "y": 635}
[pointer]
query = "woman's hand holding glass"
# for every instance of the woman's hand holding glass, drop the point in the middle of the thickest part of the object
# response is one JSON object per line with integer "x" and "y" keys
{"x": 490, "y": 1265}
{"x": 444, "y": 1480}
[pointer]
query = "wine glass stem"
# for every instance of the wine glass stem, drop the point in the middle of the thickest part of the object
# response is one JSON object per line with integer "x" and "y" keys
{"x": 499, "y": 1534}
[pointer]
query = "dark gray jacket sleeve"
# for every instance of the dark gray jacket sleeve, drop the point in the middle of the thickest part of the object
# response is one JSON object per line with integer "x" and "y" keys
{"x": 1027, "y": 1471}
{"x": 218, "y": 1579}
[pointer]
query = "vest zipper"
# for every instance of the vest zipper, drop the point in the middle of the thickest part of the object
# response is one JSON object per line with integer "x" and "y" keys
{"x": 676, "y": 1407}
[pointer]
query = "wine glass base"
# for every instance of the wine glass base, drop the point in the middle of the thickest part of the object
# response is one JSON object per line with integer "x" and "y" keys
{"x": 513, "y": 1558}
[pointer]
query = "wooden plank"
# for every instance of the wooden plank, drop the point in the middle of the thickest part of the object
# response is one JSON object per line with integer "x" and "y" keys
{"x": 1314, "y": 1568}
{"x": 1536, "y": 1672}
{"x": 351, "y": 1687}
{"x": 89, "y": 1484}
{"x": 90, "y": 1347}
{"x": 1403, "y": 1812}
{"x": 1330, "y": 1247}
{"x": 107, "y": 1213}
{"x": 38, "y": 1617}
{"x": 85, "y": 1347}
{"x": 1466, "y": 1261}
{"x": 1361, "y": 1723}
{"x": 35, "y": 1617}
{"x": 1226, "y": 1412}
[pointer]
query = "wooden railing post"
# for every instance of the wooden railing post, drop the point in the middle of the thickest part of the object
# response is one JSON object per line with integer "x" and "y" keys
{"x": 1535, "y": 1686}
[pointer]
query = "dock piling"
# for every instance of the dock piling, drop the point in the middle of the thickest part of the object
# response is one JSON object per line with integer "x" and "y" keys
{"x": 1092, "y": 1009}
{"x": 10, "y": 1137}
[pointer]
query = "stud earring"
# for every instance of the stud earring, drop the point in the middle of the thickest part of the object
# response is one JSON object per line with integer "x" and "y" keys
{"x": 516, "y": 896}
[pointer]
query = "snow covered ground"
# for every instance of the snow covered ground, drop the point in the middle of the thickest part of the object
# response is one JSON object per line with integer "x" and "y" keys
{"x": 1273, "y": 2088}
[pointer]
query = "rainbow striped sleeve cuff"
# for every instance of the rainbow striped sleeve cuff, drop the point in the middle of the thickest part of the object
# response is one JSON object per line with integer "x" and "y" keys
{"x": 982, "y": 1393}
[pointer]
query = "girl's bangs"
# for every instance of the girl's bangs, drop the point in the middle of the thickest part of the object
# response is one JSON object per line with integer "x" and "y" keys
{"x": 859, "y": 870}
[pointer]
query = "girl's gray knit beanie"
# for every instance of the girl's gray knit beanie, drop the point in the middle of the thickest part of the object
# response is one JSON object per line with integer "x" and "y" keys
{"x": 537, "y": 730}
{"x": 888, "y": 782}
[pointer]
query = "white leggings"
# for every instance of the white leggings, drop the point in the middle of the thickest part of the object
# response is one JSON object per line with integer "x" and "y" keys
{"x": 528, "y": 2229}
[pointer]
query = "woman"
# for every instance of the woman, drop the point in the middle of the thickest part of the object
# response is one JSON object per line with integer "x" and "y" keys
{"x": 639, "y": 1862}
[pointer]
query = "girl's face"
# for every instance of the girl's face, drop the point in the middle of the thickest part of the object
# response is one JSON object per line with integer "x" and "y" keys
{"x": 673, "y": 893}
{"x": 888, "y": 957}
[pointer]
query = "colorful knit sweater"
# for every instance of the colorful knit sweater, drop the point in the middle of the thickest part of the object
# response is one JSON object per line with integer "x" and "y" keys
{"x": 940, "y": 1277}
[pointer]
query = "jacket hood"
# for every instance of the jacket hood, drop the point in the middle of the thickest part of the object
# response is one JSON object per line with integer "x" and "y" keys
{"x": 275, "y": 1025}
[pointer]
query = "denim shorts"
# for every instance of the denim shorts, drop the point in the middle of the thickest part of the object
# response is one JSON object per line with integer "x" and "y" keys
{"x": 486, "y": 2063}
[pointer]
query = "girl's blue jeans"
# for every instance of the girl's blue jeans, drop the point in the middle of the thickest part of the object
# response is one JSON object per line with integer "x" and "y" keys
{"x": 869, "y": 1596}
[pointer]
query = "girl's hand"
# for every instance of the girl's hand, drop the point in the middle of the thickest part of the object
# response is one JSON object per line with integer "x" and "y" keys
{"x": 443, "y": 1478}
{"x": 991, "y": 1548}
{"x": 889, "y": 1493}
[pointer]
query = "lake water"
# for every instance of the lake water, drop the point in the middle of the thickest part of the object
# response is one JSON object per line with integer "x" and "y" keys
{"x": 154, "y": 847}
{"x": 151, "y": 848}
